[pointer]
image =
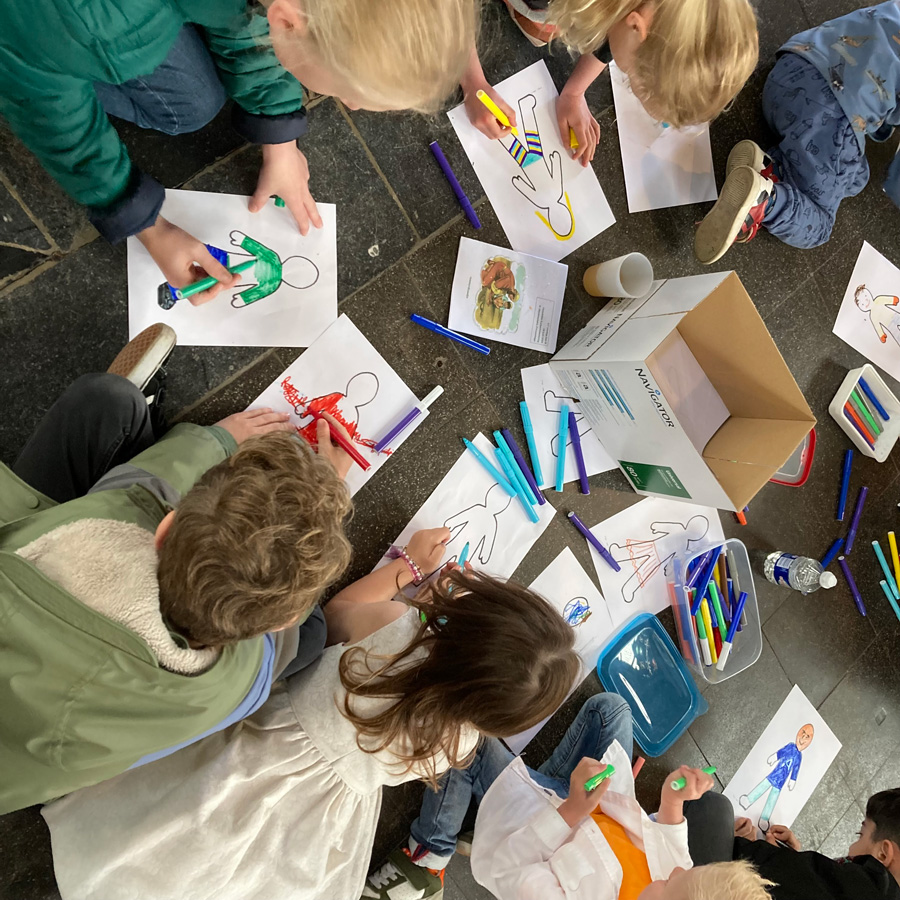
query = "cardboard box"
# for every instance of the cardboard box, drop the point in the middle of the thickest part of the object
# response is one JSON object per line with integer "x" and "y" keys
{"x": 620, "y": 367}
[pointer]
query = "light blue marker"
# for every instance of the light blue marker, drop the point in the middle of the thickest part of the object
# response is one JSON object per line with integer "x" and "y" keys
{"x": 514, "y": 467}
{"x": 461, "y": 562}
{"x": 532, "y": 446}
{"x": 492, "y": 470}
{"x": 529, "y": 510}
{"x": 891, "y": 600}
{"x": 561, "y": 447}
{"x": 884, "y": 568}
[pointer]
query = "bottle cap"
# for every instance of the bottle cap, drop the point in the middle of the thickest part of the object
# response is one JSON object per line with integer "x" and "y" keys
{"x": 827, "y": 579}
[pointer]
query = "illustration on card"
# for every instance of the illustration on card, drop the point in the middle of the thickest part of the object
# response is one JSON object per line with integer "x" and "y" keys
{"x": 501, "y": 284}
{"x": 347, "y": 406}
{"x": 577, "y": 611}
{"x": 540, "y": 179}
{"x": 785, "y": 770}
{"x": 267, "y": 275}
{"x": 646, "y": 556}
{"x": 882, "y": 312}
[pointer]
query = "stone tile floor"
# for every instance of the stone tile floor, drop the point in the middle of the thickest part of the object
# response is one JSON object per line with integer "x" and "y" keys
{"x": 63, "y": 313}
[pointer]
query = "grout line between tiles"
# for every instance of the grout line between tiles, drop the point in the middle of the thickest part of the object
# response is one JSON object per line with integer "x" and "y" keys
{"x": 38, "y": 223}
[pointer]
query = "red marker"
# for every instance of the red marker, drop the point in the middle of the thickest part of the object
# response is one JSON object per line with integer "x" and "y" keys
{"x": 341, "y": 441}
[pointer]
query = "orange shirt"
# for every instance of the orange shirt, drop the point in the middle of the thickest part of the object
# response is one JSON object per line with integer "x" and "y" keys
{"x": 635, "y": 871}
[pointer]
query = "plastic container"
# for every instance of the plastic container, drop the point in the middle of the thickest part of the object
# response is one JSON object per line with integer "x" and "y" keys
{"x": 641, "y": 665}
{"x": 885, "y": 441}
{"x": 795, "y": 471}
{"x": 747, "y": 642}
{"x": 802, "y": 573}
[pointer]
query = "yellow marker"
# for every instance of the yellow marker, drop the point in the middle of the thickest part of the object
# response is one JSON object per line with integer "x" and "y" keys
{"x": 573, "y": 141}
{"x": 499, "y": 115}
{"x": 896, "y": 559}
{"x": 707, "y": 624}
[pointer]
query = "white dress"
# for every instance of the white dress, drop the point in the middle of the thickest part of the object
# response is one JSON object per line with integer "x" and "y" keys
{"x": 281, "y": 805}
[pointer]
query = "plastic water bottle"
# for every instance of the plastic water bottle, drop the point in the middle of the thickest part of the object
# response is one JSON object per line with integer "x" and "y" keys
{"x": 798, "y": 572}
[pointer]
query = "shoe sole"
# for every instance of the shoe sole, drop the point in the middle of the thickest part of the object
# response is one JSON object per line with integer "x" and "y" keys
{"x": 745, "y": 153}
{"x": 140, "y": 359}
{"x": 722, "y": 224}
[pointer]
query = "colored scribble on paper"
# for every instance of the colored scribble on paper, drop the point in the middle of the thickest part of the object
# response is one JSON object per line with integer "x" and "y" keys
{"x": 577, "y": 611}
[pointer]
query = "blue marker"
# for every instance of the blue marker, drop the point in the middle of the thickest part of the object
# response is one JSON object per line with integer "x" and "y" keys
{"x": 845, "y": 483}
{"x": 447, "y": 333}
{"x": 461, "y": 561}
{"x": 561, "y": 447}
{"x": 532, "y": 446}
{"x": 514, "y": 468}
{"x": 833, "y": 551}
{"x": 875, "y": 401}
{"x": 729, "y": 637}
{"x": 492, "y": 470}
{"x": 703, "y": 580}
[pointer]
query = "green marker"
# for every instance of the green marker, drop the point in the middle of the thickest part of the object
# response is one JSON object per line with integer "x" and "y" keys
{"x": 278, "y": 201}
{"x": 867, "y": 415}
{"x": 714, "y": 593}
{"x": 679, "y": 783}
{"x": 206, "y": 283}
{"x": 599, "y": 778}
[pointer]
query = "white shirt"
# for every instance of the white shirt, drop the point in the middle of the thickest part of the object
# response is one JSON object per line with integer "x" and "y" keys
{"x": 524, "y": 850}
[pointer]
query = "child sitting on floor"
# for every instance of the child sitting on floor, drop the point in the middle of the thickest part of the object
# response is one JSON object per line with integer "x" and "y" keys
{"x": 285, "y": 805}
{"x": 540, "y": 834}
{"x": 870, "y": 872}
{"x": 832, "y": 87}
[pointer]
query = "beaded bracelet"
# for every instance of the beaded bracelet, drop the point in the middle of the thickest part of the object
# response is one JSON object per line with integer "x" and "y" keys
{"x": 401, "y": 553}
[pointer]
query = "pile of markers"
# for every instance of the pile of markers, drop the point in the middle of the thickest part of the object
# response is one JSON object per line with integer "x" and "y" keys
{"x": 568, "y": 427}
{"x": 865, "y": 413}
{"x": 717, "y": 604}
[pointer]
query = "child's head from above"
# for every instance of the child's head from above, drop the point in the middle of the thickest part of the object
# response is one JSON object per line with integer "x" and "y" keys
{"x": 492, "y": 655}
{"x": 686, "y": 59}
{"x": 719, "y": 881}
{"x": 404, "y": 54}
{"x": 879, "y": 835}
{"x": 863, "y": 298}
{"x": 254, "y": 543}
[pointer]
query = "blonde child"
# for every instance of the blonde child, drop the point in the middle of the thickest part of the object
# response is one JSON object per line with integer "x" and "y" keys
{"x": 286, "y": 804}
{"x": 686, "y": 59}
{"x": 169, "y": 66}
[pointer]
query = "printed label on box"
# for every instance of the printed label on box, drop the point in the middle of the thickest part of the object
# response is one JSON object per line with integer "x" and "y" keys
{"x": 655, "y": 479}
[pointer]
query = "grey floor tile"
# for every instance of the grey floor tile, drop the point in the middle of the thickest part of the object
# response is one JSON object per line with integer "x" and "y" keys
{"x": 15, "y": 225}
{"x": 15, "y": 262}
{"x": 836, "y": 845}
{"x": 828, "y": 804}
{"x": 460, "y": 871}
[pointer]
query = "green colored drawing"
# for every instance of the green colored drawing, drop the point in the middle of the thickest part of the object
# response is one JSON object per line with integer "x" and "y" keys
{"x": 270, "y": 272}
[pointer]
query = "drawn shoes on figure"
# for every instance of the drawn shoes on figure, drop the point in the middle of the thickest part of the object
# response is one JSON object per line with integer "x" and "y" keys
{"x": 744, "y": 800}
{"x": 737, "y": 215}
{"x": 401, "y": 879}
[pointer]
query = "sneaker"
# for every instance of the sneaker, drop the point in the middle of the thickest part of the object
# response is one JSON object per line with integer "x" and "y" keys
{"x": 464, "y": 843}
{"x": 401, "y": 879}
{"x": 141, "y": 358}
{"x": 749, "y": 153}
{"x": 737, "y": 215}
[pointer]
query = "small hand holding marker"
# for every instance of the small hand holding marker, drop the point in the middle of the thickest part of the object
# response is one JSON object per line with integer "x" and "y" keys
{"x": 582, "y": 801}
{"x": 682, "y": 785}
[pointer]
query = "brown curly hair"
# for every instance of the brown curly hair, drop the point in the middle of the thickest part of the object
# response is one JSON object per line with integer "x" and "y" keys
{"x": 254, "y": 543}
{"x": 491, "y": 654}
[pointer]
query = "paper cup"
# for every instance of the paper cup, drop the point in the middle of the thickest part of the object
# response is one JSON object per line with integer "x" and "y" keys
{"x": 625, "y": 276}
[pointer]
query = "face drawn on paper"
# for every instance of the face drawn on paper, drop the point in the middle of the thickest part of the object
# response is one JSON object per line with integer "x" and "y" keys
{"x": 553, "y": 402}
{"x": 501, "y": 282}
{"x": 478, "y": 525}
{"x": 347, "y": 406}
{"x": 577, "y": 611}
{"x": 644, "y": 557}
{"x": 882, "y": 311}
{"x": 540, "y": 179}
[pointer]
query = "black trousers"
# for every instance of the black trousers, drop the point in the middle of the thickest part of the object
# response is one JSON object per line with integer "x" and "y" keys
{"x": 710, "y": 822}
{"x": 100, "y": 422}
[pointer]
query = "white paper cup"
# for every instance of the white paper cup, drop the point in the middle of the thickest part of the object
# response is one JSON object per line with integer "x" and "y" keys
{"x": 625, "y": 276}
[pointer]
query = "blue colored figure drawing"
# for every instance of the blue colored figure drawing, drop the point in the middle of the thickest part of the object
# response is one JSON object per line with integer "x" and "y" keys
{"x": 577, "y": 611}
{"x": 786, "y": 763}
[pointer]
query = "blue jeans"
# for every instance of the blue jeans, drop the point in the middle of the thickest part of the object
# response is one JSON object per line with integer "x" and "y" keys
{"x": 183, "y": 93}
{"x": 604, "y": 718}
{"x": 818, "y": 162}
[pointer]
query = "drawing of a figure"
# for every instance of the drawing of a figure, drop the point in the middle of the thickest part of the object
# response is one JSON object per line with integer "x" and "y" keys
{"x": 344, "y": 405}
{"x": 577, "y": 611}
{"x": 786, "y": 762}
{"x": 644, "y": 556}
{"x": 498, "y": 292}
{"x": 266, "y": 276}
{"x": 552, "y": 404}
{"x": 882, "y": 310}
{"x": 478, "y": 524}
{"x": 541, "y": 178}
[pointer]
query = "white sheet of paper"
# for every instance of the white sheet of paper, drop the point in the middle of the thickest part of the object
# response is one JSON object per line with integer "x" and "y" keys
{"x": 300, "y": 275}
{"x": 871, "y": 322}
{"x": 551, "y": 205}
{"x": 544, "y": 396}
{"x": 644, "y": 539}
{"x": 479, "y": 513}
{"x": 569, "y": 588}
{"x": 507, "y": 296}
{"x": 782, "y": 757}
{"x": 663, "y": 166}
{"x": 344, "y": 375}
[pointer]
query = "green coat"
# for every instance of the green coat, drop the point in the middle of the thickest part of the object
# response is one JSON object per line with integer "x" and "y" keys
{"x": 52, "y": 51}
{"x": 81, "y": 697}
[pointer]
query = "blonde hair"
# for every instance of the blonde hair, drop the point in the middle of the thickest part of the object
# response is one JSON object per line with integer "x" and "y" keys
{"x": 736, "y": 880}
{"x": 695, "y": 58}
{"x": 254, "y": 542}
{"x": 396, "y": 54}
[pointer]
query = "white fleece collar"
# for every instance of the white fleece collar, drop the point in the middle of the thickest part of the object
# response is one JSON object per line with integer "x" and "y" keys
{"x": 110, "y": 566}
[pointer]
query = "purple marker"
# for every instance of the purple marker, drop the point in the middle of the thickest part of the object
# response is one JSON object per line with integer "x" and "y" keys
{"x": 520, "y": 461}
{"x": 854, "y": 522}
{"x": 579, "y": 455}
{"x": 408, "y": 419}
{"x": 857, "y": 597}
{"x": 594, "y": 542}
{"x": 464, "y": 201}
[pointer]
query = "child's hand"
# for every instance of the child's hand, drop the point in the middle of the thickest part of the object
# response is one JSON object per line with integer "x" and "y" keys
{"x": 481, "y": 117}
{"x": 253, "y": 422}
{"x": 184, "y": 260}
{"x": 784, "y": 834}
{"x": 580, "y": 804}
{"x": 334, "y": 453}
{"x": 697, "y": 783}
{"x": 744, "y": 828}
{"x": 427, "y": 548}
{"x": 572, "y": 112}
{"x": 285, "y": 173}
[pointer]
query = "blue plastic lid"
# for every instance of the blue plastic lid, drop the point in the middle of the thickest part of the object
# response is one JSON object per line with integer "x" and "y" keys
{"x": 640, "y": 664}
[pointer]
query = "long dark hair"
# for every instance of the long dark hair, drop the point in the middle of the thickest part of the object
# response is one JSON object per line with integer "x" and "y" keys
{"x": 498, "y": 658}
